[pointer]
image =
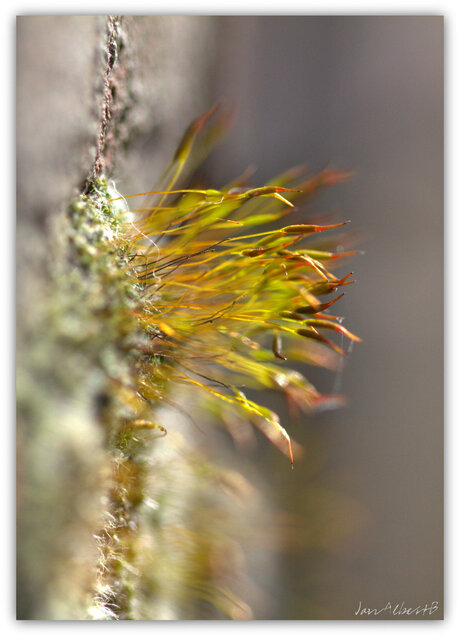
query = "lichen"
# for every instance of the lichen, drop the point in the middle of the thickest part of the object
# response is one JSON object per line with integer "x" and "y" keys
{"x": 77, "y": 345}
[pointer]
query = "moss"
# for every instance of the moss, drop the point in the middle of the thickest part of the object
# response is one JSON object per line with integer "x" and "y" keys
{"x": 103, "y": 510}
{"x": 112, "y": 524}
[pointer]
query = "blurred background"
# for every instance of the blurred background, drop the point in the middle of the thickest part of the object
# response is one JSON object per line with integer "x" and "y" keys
{"x": 361, "y": 516}
{"x": 365, "y": 93}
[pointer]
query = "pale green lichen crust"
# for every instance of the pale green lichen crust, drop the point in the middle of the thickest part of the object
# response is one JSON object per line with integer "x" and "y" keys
{"x": 76, "y": 342}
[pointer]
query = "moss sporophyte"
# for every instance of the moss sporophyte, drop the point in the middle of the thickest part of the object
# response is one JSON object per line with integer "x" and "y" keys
{"x": 219, "y": 305}
{"x": 205, "y": 289}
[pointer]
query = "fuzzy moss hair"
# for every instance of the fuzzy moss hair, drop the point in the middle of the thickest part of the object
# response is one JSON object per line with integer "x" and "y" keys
{"x": 195, "y": 292}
